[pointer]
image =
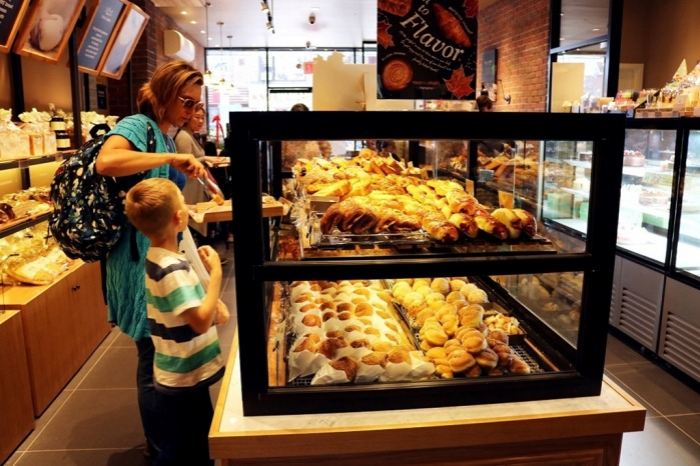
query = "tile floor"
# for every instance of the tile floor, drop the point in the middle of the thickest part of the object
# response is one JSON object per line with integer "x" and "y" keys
{"x": 95, "y": 421}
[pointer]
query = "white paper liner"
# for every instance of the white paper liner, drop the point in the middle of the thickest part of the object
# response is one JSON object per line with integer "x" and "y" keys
{"x": 304, "y": 363}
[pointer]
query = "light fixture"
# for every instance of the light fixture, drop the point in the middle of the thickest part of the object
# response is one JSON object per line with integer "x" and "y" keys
{"x": 268, "y": 11}
{"x": 265, "y": 8}
{"x": 208, "y": 76}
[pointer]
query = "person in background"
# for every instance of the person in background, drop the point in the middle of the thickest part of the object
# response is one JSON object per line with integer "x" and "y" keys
{"x": 168, "y": 100}
{"x": 295, "y": 150}
{"x": 388, "y": 149}
{"x": 484, "y": 103}
{"x": 182, "y": 315}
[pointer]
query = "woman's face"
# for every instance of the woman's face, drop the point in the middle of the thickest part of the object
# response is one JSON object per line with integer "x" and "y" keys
{"x": 197, "y": 121}
{"x": 182, "y": 109}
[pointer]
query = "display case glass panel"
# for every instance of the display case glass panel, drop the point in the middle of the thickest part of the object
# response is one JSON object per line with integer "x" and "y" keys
{"x": 688, "y": 253}
{"x": 645, "y": 196}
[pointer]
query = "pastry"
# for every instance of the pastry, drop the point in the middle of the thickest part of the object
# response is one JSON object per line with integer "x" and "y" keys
{"x": 487, "y": 358}
{"x": 395, "y": 7}
{"x": 375, "y": 358}
{"x": 396, "y": 75}
{"x": 450, "y": 26}
{"x": 528, "y": 220}
{"x": 347, "y": 365}
{"x": 511, "y": 220}
{"x": 465, "y": 223}
{"x": 460, "y": 360}
{"x": 518, "y": 366}
{"x": 474, "y": 341}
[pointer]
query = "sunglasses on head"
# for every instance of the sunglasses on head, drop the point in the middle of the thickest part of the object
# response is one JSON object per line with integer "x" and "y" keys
{"x": 188, "y": 103}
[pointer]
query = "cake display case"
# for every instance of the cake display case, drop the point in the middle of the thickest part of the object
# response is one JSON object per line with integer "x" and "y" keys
{"x": 395, "y": 287}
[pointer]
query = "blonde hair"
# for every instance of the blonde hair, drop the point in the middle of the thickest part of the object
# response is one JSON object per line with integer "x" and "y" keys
{"x": 168, "y": 81}
{"x": 151, "y": 204}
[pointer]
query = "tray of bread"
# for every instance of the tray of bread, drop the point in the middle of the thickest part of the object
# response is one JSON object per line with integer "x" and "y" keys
{"x": 367, "y": 331}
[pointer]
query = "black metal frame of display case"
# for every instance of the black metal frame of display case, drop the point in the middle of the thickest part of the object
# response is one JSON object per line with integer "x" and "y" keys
{"x": 255, "y": 270}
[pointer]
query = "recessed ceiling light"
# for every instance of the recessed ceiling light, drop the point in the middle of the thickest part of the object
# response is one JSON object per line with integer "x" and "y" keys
{"x": 315, "y": 8}
{"x": 596, "y": 29}
{"x": 193, "y": 22}
{"x": 183, "y": 12}
{"x": 203, "y": 32}
{"x": 562, "y": 38}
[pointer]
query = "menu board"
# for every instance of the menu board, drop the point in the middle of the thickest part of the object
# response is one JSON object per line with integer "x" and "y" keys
{"x": 99, "y": 35}
{"x": 426, "y": 49}
{"x": 11, "y": 12}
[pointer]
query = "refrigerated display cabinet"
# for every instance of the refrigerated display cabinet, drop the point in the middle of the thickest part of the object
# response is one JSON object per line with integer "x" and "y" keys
{"x": 657, "y": 260}
{"x": 294, "y": 267}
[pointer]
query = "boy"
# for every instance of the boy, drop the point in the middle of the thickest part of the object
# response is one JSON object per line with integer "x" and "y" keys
{"x": 181, "y": 316}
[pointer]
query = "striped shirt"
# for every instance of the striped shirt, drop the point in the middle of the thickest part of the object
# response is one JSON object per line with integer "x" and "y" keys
{"x": 183, "y": 358}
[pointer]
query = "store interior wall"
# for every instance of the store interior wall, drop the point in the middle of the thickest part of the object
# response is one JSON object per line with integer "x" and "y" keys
{"x": 660, "y": 34}
{"x": 519, "y": 31}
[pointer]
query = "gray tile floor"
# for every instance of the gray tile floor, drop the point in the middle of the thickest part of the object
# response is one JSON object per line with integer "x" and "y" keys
{"x": 95, "y": 421}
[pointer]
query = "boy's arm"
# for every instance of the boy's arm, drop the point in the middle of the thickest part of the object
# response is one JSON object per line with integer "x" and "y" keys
{"x": 202, "y": 317}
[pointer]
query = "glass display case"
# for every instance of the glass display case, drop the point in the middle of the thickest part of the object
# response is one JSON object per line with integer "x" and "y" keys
{"x": 687, "y": 256}
{"x": 648, "y": 180}
{"x": 399, "y": 288}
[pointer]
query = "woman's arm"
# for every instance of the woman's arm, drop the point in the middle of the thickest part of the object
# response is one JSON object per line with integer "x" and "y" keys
{"x": 119, "y": 157}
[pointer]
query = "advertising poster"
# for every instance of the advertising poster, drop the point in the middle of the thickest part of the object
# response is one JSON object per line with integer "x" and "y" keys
{"x": 11, "y": 12}
{"x": 426, "y": 49}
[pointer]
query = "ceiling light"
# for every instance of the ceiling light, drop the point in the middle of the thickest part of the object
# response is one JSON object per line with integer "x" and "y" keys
{"x": 193, "y": 22}
{"x": 183, "y": 12}
{"x": 264, "y": 7}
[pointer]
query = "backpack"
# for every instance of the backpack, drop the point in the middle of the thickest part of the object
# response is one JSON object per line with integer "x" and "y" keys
{"x": 88, "y": 208}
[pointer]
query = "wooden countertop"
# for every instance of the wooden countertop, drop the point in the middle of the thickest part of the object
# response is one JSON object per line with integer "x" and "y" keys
{"x": 247, "y": 439}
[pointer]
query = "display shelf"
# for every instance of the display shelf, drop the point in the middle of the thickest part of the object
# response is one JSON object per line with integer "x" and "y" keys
{"x": 38, "y": 160}
{"x": 587, "y": 429}
{"x": 19, "y": 224}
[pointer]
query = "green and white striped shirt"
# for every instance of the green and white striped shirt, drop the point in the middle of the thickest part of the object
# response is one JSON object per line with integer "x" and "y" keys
{"x": 183, "y": 358}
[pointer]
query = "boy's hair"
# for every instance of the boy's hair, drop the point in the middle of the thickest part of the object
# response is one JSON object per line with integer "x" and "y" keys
{"x": 150, "y": 205}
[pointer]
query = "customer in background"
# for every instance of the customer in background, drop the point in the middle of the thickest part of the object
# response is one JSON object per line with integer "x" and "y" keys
{"x": 387, "y": 148}
{"x": 186, "y": 142}
{"x": 295, "y": 150}
{"x": 182, "y": 314}
{"x": 484, "y": 103}
{"x": 167, "y": 100}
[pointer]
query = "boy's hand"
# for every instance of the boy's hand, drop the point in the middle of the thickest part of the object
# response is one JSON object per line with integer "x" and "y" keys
{"x": 210, "y": 258}
{"x": 222, "y": 313}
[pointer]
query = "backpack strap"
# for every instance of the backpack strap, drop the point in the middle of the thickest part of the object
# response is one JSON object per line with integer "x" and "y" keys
{"x": 151, "y": 148}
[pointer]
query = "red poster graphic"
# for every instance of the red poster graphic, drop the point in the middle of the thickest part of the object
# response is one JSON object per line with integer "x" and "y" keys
{"x": 426, "y": 49}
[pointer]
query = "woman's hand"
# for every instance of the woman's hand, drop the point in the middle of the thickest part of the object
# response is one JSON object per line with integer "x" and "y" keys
{"x": 222, "y": 313}
{"x": 188, "y": 164}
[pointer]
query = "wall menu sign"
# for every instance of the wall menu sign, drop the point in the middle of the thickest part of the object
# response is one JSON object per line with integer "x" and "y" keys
{"x": 11, "y": 13}
{"x": 426, "y": 49}
{"x": 99, "y": 35}
{"x": 128, "y": 35}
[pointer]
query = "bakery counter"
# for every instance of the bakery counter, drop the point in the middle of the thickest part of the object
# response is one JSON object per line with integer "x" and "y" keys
{"x": 585, "y": 431}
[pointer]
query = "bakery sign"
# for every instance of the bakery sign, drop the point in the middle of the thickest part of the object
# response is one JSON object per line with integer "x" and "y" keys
{"x": 426, "y": 49}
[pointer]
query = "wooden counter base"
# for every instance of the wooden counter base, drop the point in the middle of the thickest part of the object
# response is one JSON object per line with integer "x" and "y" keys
{"x": 575, "y": 431}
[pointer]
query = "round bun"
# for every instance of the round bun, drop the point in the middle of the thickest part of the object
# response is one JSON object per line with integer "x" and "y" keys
{"x": 440, "y": 285}
{"x": 460, "y": 360}
{"x": 487, "y": 358}
{"x": 478, "y": 296}
{"x": 347, "y": 365}
{"x": 474, "y": 341}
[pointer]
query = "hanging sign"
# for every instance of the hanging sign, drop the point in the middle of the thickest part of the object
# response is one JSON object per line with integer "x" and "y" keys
{"x": 128, "y": 35}
{"x": 99, "y": 35}
{"x": 11, "y": 12}
{"x": 426, "y": 49}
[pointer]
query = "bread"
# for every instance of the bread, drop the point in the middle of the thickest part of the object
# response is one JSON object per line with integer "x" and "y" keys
{"x": 460, "y": 360}
{"x": 487, "y": 358}
{"x": 375, "y": 358}
{"x": 338, "y": 189}
{"x": 465, "y": 224}
{"x": 528, "y": 220}
{"x": 490, "y": 225}
{"x": 347, "y": 365}
{"x": 511, "y": 220}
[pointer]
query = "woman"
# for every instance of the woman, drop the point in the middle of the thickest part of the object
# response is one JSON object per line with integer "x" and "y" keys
{"x": 186, "y": 143}
{"x": 168, "y": 100}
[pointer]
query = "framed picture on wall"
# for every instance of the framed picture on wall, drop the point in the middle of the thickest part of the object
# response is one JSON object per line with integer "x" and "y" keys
{"x": 46, "y": 29}
{"x": 129, "y": 32}
{"x": 100, "y": 34}
{"x": 10, "y": 19}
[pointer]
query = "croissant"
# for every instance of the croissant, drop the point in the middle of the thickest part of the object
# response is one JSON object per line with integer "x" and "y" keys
{"x": 440, "y": 230}
{"x": 364, "y": 223}
{"x": 511, "y": 220}
{"x": 405, "y": 223}
{"x": 465, "y": 223}
{"x": 490, "y": 225}
{"x": 528, "y": 220}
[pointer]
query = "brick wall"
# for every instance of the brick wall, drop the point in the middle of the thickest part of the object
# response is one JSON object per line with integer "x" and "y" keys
{"x": 147, "y": 55}
{"x": 519, "y": 30}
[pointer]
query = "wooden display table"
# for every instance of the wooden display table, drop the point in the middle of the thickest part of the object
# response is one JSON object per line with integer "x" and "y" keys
{"x": 16, "y": 411}
{"x": 63, "y": 322}
{"x": 572, "y": 431}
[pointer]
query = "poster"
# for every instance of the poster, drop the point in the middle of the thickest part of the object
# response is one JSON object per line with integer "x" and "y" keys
{"x": 11, "y": 13}
{"x": 426, "y": 49}
{"x": 46, "y": 29}
{"x": 130, "y": 31}
{"x": 99, "y": 35}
